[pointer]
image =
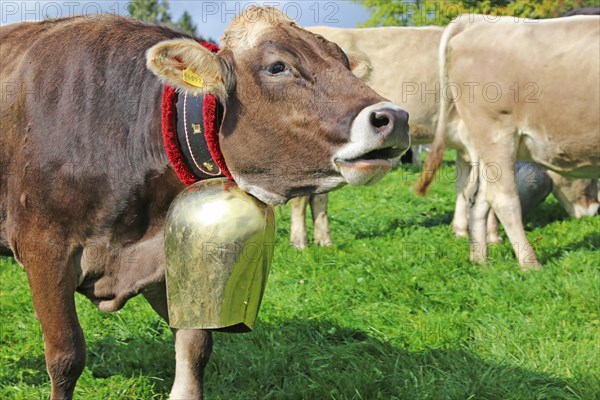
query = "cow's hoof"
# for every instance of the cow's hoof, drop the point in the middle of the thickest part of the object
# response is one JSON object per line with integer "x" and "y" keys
{"x": 531, "y": 267}
{"x": 478, "y": 256}
{"x": 478, "y": 260}
{"x": 460, "y": 233}
{"x": 494, "y": 239}
{"x": 324, "y": 243}
{"x": 299, "y": 245}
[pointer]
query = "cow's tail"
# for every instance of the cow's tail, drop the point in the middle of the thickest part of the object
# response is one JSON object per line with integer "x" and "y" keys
{"x": 436, "y": 153}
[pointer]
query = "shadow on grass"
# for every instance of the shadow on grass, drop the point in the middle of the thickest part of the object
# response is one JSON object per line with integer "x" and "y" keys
{"x": 590, "y": 241}
{"x": 297, "y": 359}
{"x": 30, "y": 371}
{"x": 436, "y": 219}
{"x": 544, "y": 214}
{"x": 385, "y": 228}
{"x": 316, "y": 360}
{"x": 150, "y": 357}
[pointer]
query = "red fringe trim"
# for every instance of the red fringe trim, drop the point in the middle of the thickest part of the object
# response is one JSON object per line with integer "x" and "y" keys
{"x": 211, "y": 131}
{"x": 169, "y": 129}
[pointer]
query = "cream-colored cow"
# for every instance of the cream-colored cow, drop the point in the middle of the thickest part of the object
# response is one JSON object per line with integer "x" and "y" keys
{"x": 404, "y": 67}
{"x": 525, "y": 90}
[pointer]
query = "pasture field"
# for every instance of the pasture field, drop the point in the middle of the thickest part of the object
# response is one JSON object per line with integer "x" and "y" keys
{"x": 393, "y": 311}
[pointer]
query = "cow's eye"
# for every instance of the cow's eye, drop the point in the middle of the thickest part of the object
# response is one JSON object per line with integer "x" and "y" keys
{"x": 277, "y": 68}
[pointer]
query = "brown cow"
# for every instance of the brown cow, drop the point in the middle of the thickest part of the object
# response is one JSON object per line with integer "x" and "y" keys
{"x": 86, "y": 182}
{"x": 401, "y": 65}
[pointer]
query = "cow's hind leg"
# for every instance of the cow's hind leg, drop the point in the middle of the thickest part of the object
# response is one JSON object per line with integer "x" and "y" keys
{"x": 464, "y": 174}
{"x": 460, "y": 221}
{"x": 493, "y": 232}
{"x": 53, "y": 281}
{"x": 298, "y": 234}
{"x": 478, "y": 212}
{"x": 192, "y": 351}
{"x": 500, "y": 191}
{"x": 497, "y": 153}
{"x": 503, "y": 197}
{"x": 318, "y": 207}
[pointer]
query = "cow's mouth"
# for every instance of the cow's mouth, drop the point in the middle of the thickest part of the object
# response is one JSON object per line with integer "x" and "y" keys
{"x": 370, "y": 167}
{"x": 387, "y": 153}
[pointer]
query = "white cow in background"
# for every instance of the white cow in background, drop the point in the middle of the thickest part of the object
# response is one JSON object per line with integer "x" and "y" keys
{"x": 545, "y": 109}
{"x": 409, "y": 57}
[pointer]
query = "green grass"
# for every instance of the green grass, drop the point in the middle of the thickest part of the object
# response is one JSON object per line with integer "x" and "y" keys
{"x": 393, "y": 311}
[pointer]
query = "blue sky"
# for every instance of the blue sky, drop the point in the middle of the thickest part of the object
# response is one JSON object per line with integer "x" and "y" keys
{"x": 211, "y": 16}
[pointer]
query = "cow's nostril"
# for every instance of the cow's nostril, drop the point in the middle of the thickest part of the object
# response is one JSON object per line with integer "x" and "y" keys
{"x": 379, "y": 119}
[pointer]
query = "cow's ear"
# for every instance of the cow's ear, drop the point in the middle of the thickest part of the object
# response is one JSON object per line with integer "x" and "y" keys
{"x": 188, "y": 66}
{"x": 360, "y": 65}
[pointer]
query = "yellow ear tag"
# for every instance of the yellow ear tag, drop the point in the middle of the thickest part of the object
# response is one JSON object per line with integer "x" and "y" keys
{"x": 192, "y": 78}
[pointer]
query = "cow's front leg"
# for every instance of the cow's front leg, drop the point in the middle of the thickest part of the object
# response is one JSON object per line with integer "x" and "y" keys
{"x": 298, "y": 235}
{"x": 192, "y": 351}
{"x": 318, "y": 207}
{"x": 53, "y": 280}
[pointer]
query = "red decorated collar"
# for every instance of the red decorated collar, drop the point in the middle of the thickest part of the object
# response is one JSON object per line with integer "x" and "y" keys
{"x": 190, "y": 127}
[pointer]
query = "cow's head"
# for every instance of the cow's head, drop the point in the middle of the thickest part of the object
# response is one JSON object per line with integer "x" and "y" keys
{"x": 579, "y": 197}
{"x": 297, "y": 120}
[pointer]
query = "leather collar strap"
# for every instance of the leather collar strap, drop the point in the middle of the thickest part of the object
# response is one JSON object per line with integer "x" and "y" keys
{"x": 190, "y": 128}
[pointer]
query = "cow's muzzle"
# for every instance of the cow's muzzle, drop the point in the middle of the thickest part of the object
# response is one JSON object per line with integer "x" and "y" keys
{"x": 378, "y": 137}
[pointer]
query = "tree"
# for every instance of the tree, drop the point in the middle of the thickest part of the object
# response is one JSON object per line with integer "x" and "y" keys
{"x": 441, "y": 12}
{"x": 150, "y": 11}
{"x": 186, "y": 23}
{"x": 158, "y": 11}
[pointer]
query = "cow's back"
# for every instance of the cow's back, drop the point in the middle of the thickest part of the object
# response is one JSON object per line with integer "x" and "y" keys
{"x": 404, "y": 65}
{"x": 81, "y": 145}
{"x": 15, "y": 39}
{"x": 542, "y": 76}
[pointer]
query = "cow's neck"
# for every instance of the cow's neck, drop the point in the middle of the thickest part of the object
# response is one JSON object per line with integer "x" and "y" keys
{"x": 190, "y": 128}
